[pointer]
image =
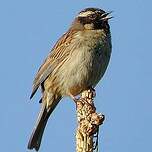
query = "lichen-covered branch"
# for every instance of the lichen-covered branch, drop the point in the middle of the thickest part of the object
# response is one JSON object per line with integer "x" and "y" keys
{"x": 88, "y": 122}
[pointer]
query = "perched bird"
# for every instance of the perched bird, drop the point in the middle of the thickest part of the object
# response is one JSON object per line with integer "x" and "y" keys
{"x": 77, "y": 62}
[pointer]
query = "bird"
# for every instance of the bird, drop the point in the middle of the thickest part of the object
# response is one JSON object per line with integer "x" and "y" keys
{"x": 76, "y": 63}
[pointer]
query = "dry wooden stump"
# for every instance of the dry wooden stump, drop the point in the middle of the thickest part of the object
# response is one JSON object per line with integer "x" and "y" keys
{"x": 88, "y": 122}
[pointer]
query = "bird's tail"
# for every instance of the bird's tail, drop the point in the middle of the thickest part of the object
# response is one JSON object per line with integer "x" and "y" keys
{"x": 36, "y": 137}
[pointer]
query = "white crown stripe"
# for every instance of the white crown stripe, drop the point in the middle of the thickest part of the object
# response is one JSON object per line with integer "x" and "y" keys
{"x": 84, "y": 14}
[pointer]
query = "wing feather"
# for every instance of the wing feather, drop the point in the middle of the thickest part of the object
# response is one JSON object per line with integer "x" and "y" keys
{"x": 58, "y": 54}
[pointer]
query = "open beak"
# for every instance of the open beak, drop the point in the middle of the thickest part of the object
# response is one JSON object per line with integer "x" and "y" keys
{"x": 106, "y": 16}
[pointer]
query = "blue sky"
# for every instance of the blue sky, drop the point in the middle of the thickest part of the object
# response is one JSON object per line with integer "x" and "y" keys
{"x": 28, "y": 30}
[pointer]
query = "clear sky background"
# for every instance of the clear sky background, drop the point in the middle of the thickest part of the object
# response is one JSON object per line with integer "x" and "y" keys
{"x": 28, "y": 30}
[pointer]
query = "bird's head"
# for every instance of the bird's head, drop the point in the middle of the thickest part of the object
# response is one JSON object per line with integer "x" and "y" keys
{"x": 92, "y": 19}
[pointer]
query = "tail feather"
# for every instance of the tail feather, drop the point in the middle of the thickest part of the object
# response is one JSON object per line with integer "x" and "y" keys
{"x": 36, "y": 137}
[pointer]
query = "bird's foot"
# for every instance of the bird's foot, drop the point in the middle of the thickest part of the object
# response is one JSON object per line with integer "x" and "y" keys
{"x": 86, "y": 97}
{"x": 75, "y": 99}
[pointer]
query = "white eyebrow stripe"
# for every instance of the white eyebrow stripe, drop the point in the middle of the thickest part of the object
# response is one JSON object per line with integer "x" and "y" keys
{"x": 84, "y": 14}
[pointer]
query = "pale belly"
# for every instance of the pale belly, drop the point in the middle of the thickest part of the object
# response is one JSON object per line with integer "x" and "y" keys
{"x": 85, "y": 65}
{"x": 84, "y": 69}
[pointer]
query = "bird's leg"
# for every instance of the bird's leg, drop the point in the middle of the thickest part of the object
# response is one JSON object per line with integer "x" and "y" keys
{"x": 74, "y": 98}
{"x": 88, "y": 95}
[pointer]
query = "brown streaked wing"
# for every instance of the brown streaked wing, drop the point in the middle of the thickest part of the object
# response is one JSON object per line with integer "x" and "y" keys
{"x": 58, "y": 54}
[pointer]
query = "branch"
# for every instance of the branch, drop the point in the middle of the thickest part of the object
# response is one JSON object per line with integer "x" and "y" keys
{"x": 88, "y": 122}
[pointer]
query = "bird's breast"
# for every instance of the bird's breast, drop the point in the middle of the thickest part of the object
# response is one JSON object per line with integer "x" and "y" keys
{"x": 87, "y": 63}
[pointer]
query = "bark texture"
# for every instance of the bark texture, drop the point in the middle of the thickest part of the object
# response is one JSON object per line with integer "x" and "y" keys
{"x": 88, "y": 123}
